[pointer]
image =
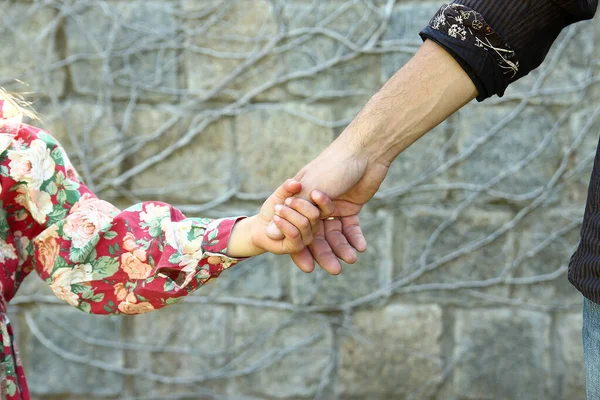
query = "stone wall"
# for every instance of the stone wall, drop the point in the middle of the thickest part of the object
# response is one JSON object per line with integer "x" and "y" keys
{"x": 209, "y": 105}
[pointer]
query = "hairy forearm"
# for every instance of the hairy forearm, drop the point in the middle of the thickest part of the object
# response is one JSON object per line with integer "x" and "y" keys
{"x": 426, "y": 91}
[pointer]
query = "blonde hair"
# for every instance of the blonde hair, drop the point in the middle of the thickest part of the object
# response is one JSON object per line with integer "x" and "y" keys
{"x": 19, "y": 103}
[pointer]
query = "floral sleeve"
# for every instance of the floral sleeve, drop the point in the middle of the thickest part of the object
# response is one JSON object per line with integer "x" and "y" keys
{"x": 94, "y": 256}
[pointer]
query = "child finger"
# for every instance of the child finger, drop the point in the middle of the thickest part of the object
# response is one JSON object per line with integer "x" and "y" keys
{"x": 300, "y": 221}
{"x": 306, "y": 209}
{"x": 293, "y": 238}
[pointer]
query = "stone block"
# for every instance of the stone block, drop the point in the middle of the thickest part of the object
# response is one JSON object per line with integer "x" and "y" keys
{"x": 543, "y": 249}
{"x": 515, "y": 141}
{"x": 572, "y": 380}
{"x": 461, "y": 254}
{"x": 281, "y": 355}
{"x": 321, "y": 47}
{"x": 396, "y": 354}
{"x": 92, "y": 138}
{"x": 31, "y": 51}
{"x": 594, "y": 90}
{"x": 581, "y": 123}
{"x": 407, "y": 20}
{"x": 87, "y": 397}
{"x": 178, "y": 345}
{"x": 222, "y": 39}
{"x": 372, "y": 271}
{"x": 73, "y": 331}
{"x": 502, "y": 354}
{"x": 304, "y": 63}
{"x": 356, "y": 77}
{"x": 34, "y": 286}
{"x": 262, "y": 277}
{"x": 124, "y": 48}
{"x": 274, "y": 143}
{"x": 571, "y": 69}
{"x": 414, "y": 168}
{"x": 197, "y": 172}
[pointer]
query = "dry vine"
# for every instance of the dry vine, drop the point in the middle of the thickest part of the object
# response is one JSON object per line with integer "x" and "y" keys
{"x": 335, "y": 36}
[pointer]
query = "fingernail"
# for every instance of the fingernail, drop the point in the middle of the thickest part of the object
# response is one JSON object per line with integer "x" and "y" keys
{"x": 278, "y": 208}
{"x": 288, "y": 201}
{"x": 317, "y": 193}
{"x": 363, "y": 244}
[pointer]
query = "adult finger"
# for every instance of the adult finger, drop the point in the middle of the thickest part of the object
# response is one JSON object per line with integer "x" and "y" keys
{"x": 353, "y": 233}
{"x": 323, "y": 253}
{"x": 338, "y": 242}
{"x": 304, "y": 260}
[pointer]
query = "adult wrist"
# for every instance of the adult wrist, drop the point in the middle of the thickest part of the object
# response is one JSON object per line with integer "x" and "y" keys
{"x": 367, "y": 137}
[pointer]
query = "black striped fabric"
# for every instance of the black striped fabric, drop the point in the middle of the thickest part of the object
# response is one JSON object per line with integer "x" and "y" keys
{"x": 584, "y": 268}
{"x": 486, "y": 57}
{"x": 529, "y": 28}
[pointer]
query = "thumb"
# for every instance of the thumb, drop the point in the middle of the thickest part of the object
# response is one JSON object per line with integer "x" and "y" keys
{"x": 273, "y": 232}
{"x": 287, "y": 189}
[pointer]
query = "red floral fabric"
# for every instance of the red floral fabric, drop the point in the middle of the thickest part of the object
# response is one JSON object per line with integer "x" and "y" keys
{"x": 94, "y": 256}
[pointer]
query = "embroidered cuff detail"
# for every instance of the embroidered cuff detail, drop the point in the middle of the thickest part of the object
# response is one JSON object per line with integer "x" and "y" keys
{"x": 467, "y": 25}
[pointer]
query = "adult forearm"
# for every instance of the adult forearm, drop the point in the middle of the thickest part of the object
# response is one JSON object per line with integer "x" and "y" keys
{"x": 426, "y": 91}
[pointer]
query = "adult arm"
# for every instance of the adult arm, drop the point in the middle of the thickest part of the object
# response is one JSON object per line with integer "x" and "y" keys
{"x": 473, "y": 48}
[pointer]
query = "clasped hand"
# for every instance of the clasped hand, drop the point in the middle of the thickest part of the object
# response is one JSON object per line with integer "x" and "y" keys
{"x": 347, "y": 176}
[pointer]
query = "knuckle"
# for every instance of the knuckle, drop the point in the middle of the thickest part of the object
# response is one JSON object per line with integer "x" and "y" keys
{"x": 314, "y": 214}
{"x": 305, "y": 224}
{"x": 294, "y": 234}
{"x": 298, "y": 247}
{"x": 292, "y": 202}
{"x": 283, "y": 211}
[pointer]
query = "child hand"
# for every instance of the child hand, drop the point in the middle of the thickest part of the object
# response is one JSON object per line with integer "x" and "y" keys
{"x": 298, "y": 220}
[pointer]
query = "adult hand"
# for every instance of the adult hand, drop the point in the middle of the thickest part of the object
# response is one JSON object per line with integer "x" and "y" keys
{"x": 428, "y": 89}
{"x": 350, "y": 179}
